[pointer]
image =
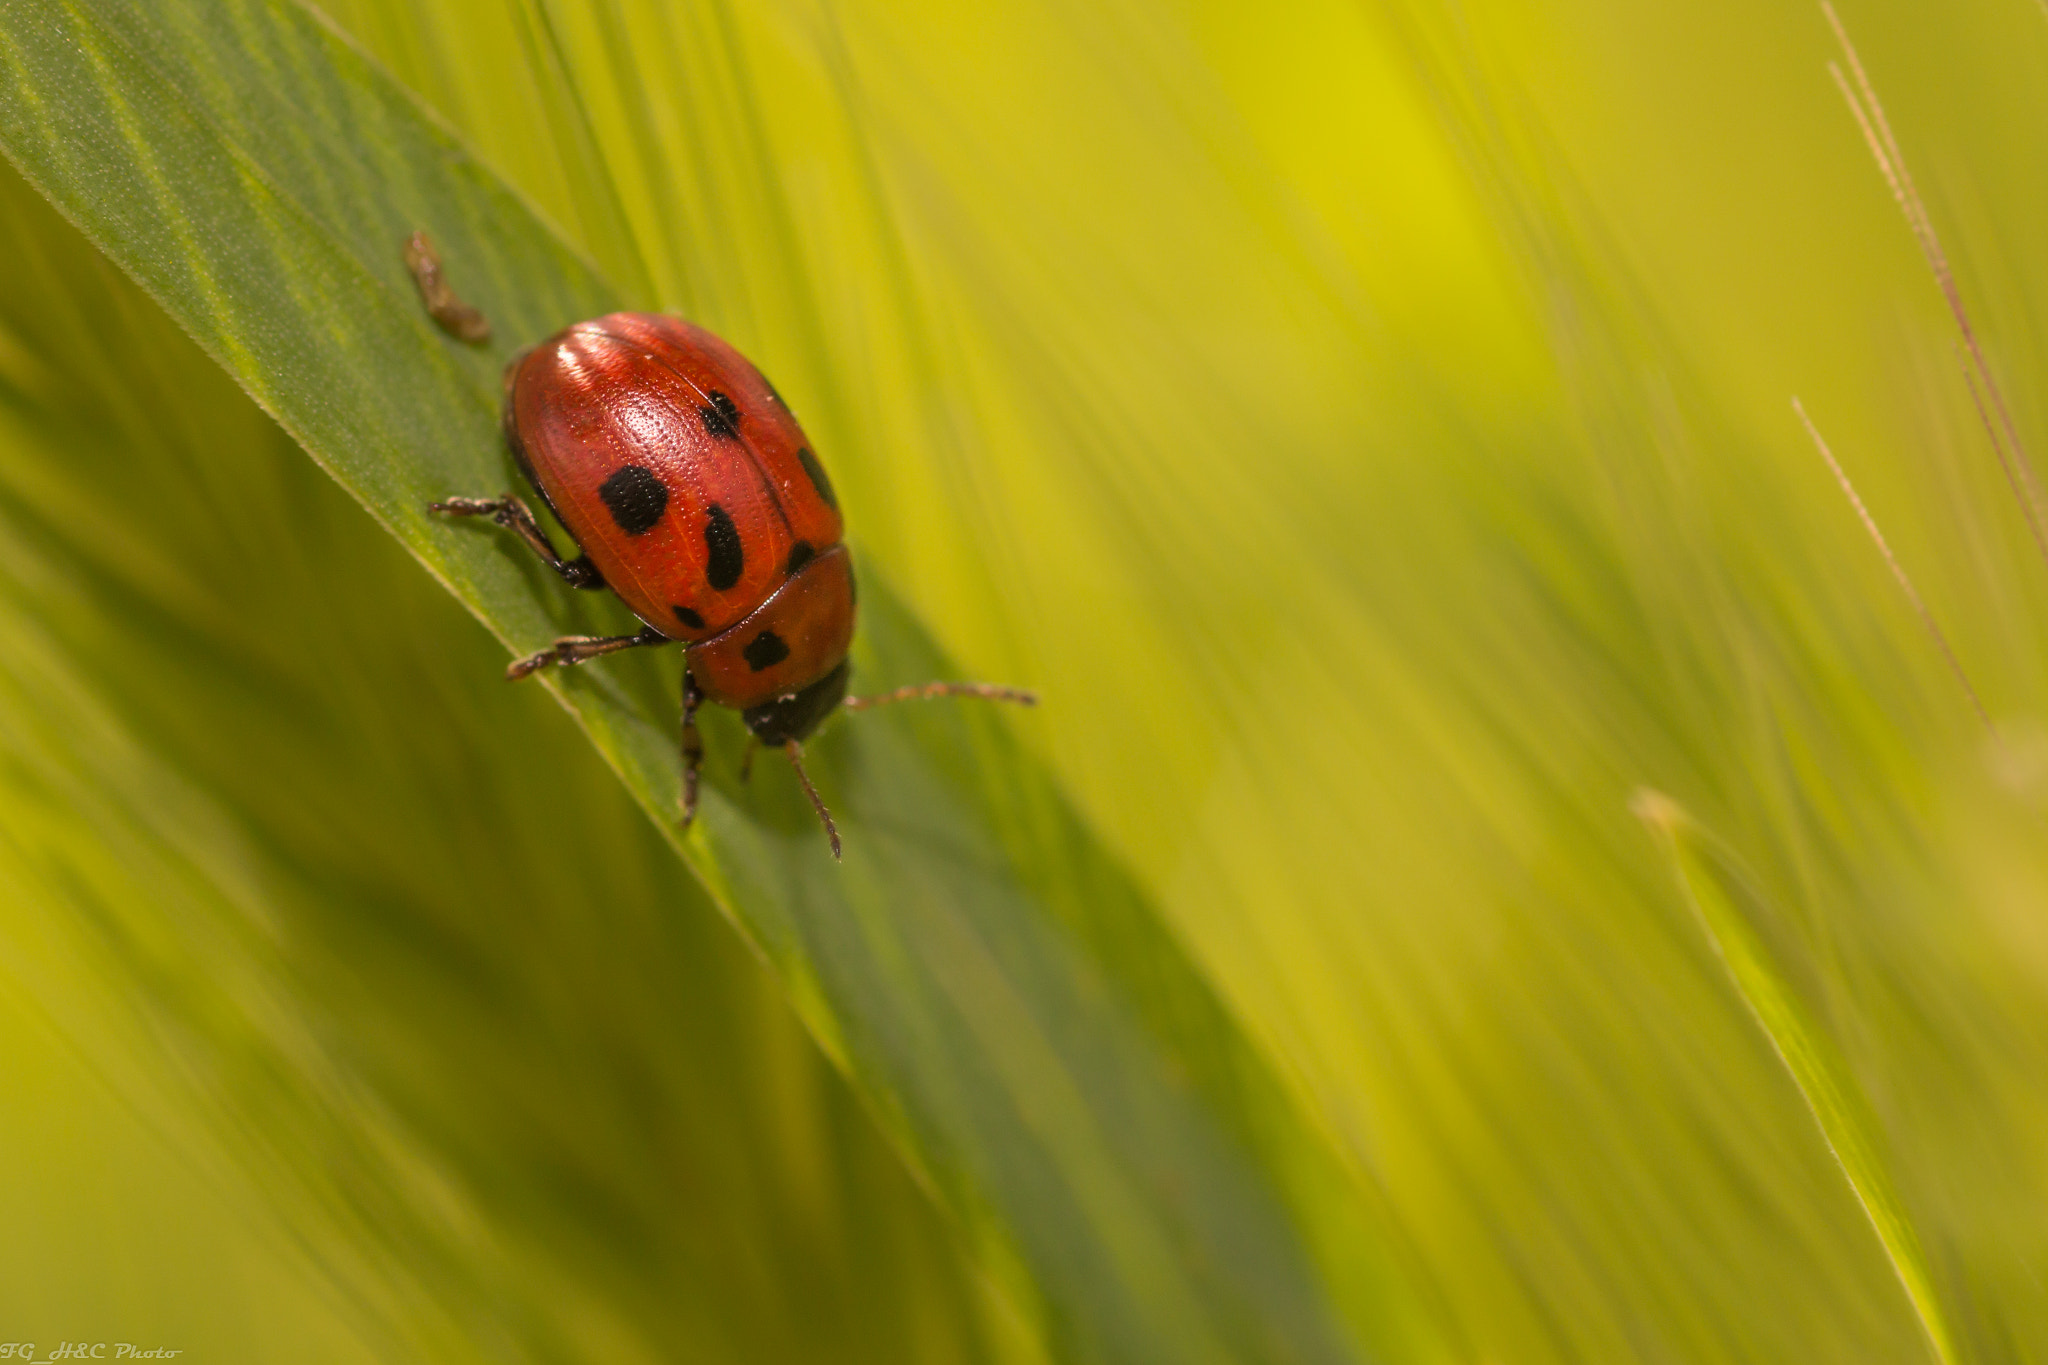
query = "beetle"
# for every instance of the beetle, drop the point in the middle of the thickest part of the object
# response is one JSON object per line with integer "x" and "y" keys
{"x": 692, "y": 493}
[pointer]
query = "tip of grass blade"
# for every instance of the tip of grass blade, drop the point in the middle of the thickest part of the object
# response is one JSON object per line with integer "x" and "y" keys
{"x": 1654, "y": 808}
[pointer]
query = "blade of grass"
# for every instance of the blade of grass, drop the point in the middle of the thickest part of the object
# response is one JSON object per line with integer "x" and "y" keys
{"x": 1726, "y": 905}
{"x": 257, "y": 801}
{"x": 1884, "y": 149}
{"x": 1898, "y": 571}
{"x": 999, "y": 990}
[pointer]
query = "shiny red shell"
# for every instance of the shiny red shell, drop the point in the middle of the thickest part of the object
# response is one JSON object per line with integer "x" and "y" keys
{"x": 690, "y": 486}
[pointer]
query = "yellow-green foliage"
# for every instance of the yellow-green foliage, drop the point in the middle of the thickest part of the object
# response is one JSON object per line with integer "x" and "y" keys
{"x": 1500, "y": 872}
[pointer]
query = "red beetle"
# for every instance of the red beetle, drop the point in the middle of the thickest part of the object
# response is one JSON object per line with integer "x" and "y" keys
{"x": 693, "y": 495}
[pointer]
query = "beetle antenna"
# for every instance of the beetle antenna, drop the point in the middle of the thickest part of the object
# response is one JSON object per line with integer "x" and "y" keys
{"x": 796, "y": 761}
{"x": 926, "y": 691}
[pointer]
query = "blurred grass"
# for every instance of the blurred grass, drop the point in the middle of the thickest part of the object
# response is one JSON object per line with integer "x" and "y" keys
{"x": 1368, "y": 426}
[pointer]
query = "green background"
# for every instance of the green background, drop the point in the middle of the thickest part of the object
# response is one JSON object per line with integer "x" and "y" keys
{"x": 1500, "y": 873}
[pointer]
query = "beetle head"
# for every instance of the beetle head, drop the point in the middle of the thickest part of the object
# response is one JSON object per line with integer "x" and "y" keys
{"x": 795, "y": 714}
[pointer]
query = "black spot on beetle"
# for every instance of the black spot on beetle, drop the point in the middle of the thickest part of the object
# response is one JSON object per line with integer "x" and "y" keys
{"x": 818, "y": 479}
{"x": 765, "y": 651}
{"x": 800, "y": 554}
{"x": 689, "y": 618}
{"x": 721, "y": 416}
{"x": 635, "y": 498}
{"x": 725, "y": 557}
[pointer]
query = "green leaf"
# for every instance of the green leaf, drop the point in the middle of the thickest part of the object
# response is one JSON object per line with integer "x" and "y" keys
{"x": 999, "y": 990}
{"x": 413, "y": 1038}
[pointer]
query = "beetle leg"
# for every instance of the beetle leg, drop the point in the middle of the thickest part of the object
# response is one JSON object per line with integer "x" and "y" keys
{"x": 517, "y": 517}
{"x": 693, "y": 746}
{"x": 574, "y": 649}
